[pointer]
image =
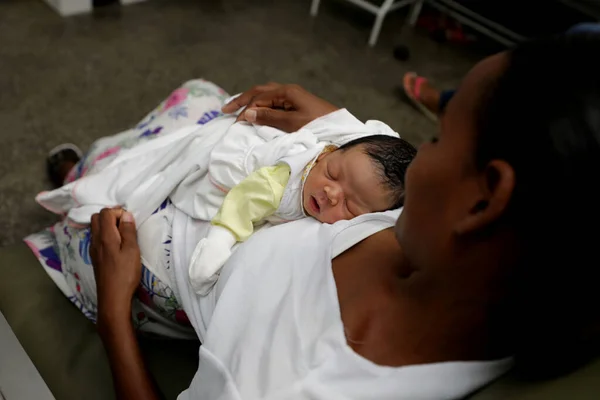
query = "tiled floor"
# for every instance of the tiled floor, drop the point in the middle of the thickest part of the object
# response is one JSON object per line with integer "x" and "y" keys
{"x": 76, "y": 79}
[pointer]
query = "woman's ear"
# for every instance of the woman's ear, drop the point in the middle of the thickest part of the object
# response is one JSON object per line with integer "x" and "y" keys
{"x": 496, "y": 185}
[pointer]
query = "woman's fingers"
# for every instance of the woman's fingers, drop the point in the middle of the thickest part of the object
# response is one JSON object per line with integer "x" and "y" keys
{"x": 128, "y": 232}
{"x": 281, "y": 98}
{"x": 104, "y": 230}
{"x": 286, "y": 107}
{"x": 109, "y": 233}
{"x": 286, "y": 121}
{"x": 245, "y": 98}
{"x": 115, "y": 257}
{"x": 95, "y": 238}
{"x": 95, "y": 225}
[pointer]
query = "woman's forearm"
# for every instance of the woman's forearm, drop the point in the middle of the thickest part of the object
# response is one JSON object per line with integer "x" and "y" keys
{"x": 131, "y": 378}
{"x": 118, "y": 268}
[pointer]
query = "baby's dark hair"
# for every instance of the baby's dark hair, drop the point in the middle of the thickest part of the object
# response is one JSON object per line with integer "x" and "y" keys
{"x": 391, "y": 156}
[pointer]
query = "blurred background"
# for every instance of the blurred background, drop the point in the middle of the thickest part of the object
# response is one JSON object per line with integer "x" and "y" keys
{"x": 79, "y": 77}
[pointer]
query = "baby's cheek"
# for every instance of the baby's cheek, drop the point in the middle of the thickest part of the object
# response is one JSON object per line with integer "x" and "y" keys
{"x": 333, "y": 216}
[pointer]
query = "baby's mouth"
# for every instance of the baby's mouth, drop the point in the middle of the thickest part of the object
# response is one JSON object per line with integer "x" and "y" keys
{"x": 315, "y": 204}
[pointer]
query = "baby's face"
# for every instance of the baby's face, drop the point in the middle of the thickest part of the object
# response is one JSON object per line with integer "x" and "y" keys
{"x": 343, "y": 185}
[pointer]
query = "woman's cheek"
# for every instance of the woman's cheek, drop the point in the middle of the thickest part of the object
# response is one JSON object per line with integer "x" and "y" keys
{"x": 410, "y": 171}
{"x": 417, "y": 171}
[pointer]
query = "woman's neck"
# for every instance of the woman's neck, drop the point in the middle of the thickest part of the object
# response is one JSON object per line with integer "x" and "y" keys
{"x": 395, "y": 315}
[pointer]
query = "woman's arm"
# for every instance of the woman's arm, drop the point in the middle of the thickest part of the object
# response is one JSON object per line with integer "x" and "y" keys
{"x": 130, "y": 376}
{"x": 286, "y": 107}
{"x": 117, "y": 268}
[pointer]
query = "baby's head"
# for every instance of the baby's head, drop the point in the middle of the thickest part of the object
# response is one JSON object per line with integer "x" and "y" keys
{"x": 363, "y": 176}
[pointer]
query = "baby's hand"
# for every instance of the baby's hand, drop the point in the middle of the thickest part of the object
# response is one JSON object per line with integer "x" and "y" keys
{"x": 208, "y": 258}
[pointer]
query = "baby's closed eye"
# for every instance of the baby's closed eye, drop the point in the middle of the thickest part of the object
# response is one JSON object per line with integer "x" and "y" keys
{"x": 328, "y": 171}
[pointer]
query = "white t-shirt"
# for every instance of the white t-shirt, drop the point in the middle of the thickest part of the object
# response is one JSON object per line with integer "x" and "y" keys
{"x": 272, "y": 329}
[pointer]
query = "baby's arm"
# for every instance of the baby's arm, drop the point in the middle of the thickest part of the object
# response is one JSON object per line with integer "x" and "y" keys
{"x": 252, "y": 200}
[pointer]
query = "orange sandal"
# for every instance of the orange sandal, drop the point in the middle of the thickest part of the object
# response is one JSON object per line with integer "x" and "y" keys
{"x": 413, "y": 92}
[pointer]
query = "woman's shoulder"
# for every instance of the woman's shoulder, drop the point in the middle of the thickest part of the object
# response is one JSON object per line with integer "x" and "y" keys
{"x": 346, "y": 234}
{"x": 364, "y": 273}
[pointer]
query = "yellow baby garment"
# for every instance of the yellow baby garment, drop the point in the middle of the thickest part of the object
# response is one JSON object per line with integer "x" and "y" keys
{"x": 252, "y": 200}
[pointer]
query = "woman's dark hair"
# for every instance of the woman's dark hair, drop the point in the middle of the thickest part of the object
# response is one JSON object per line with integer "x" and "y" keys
{"x": 542, "y": 116}
{"x": 391, "y": 156}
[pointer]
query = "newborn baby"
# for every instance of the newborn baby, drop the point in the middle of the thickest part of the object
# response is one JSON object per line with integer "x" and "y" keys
{"x": 362, "y": 176}
{"x": 238, "y": 176}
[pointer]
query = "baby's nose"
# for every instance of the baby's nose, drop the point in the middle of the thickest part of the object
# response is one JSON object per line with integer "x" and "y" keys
{"x": 332, "y": 195}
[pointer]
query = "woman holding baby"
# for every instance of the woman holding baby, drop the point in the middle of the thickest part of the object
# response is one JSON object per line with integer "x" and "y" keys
{"x": 485, "y": 268}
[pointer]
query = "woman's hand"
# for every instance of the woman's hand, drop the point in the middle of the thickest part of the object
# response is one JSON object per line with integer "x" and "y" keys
{"x": 118, "y": 269}
{"x": 116, "y": 260}
{"x": 286, "y": 107}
